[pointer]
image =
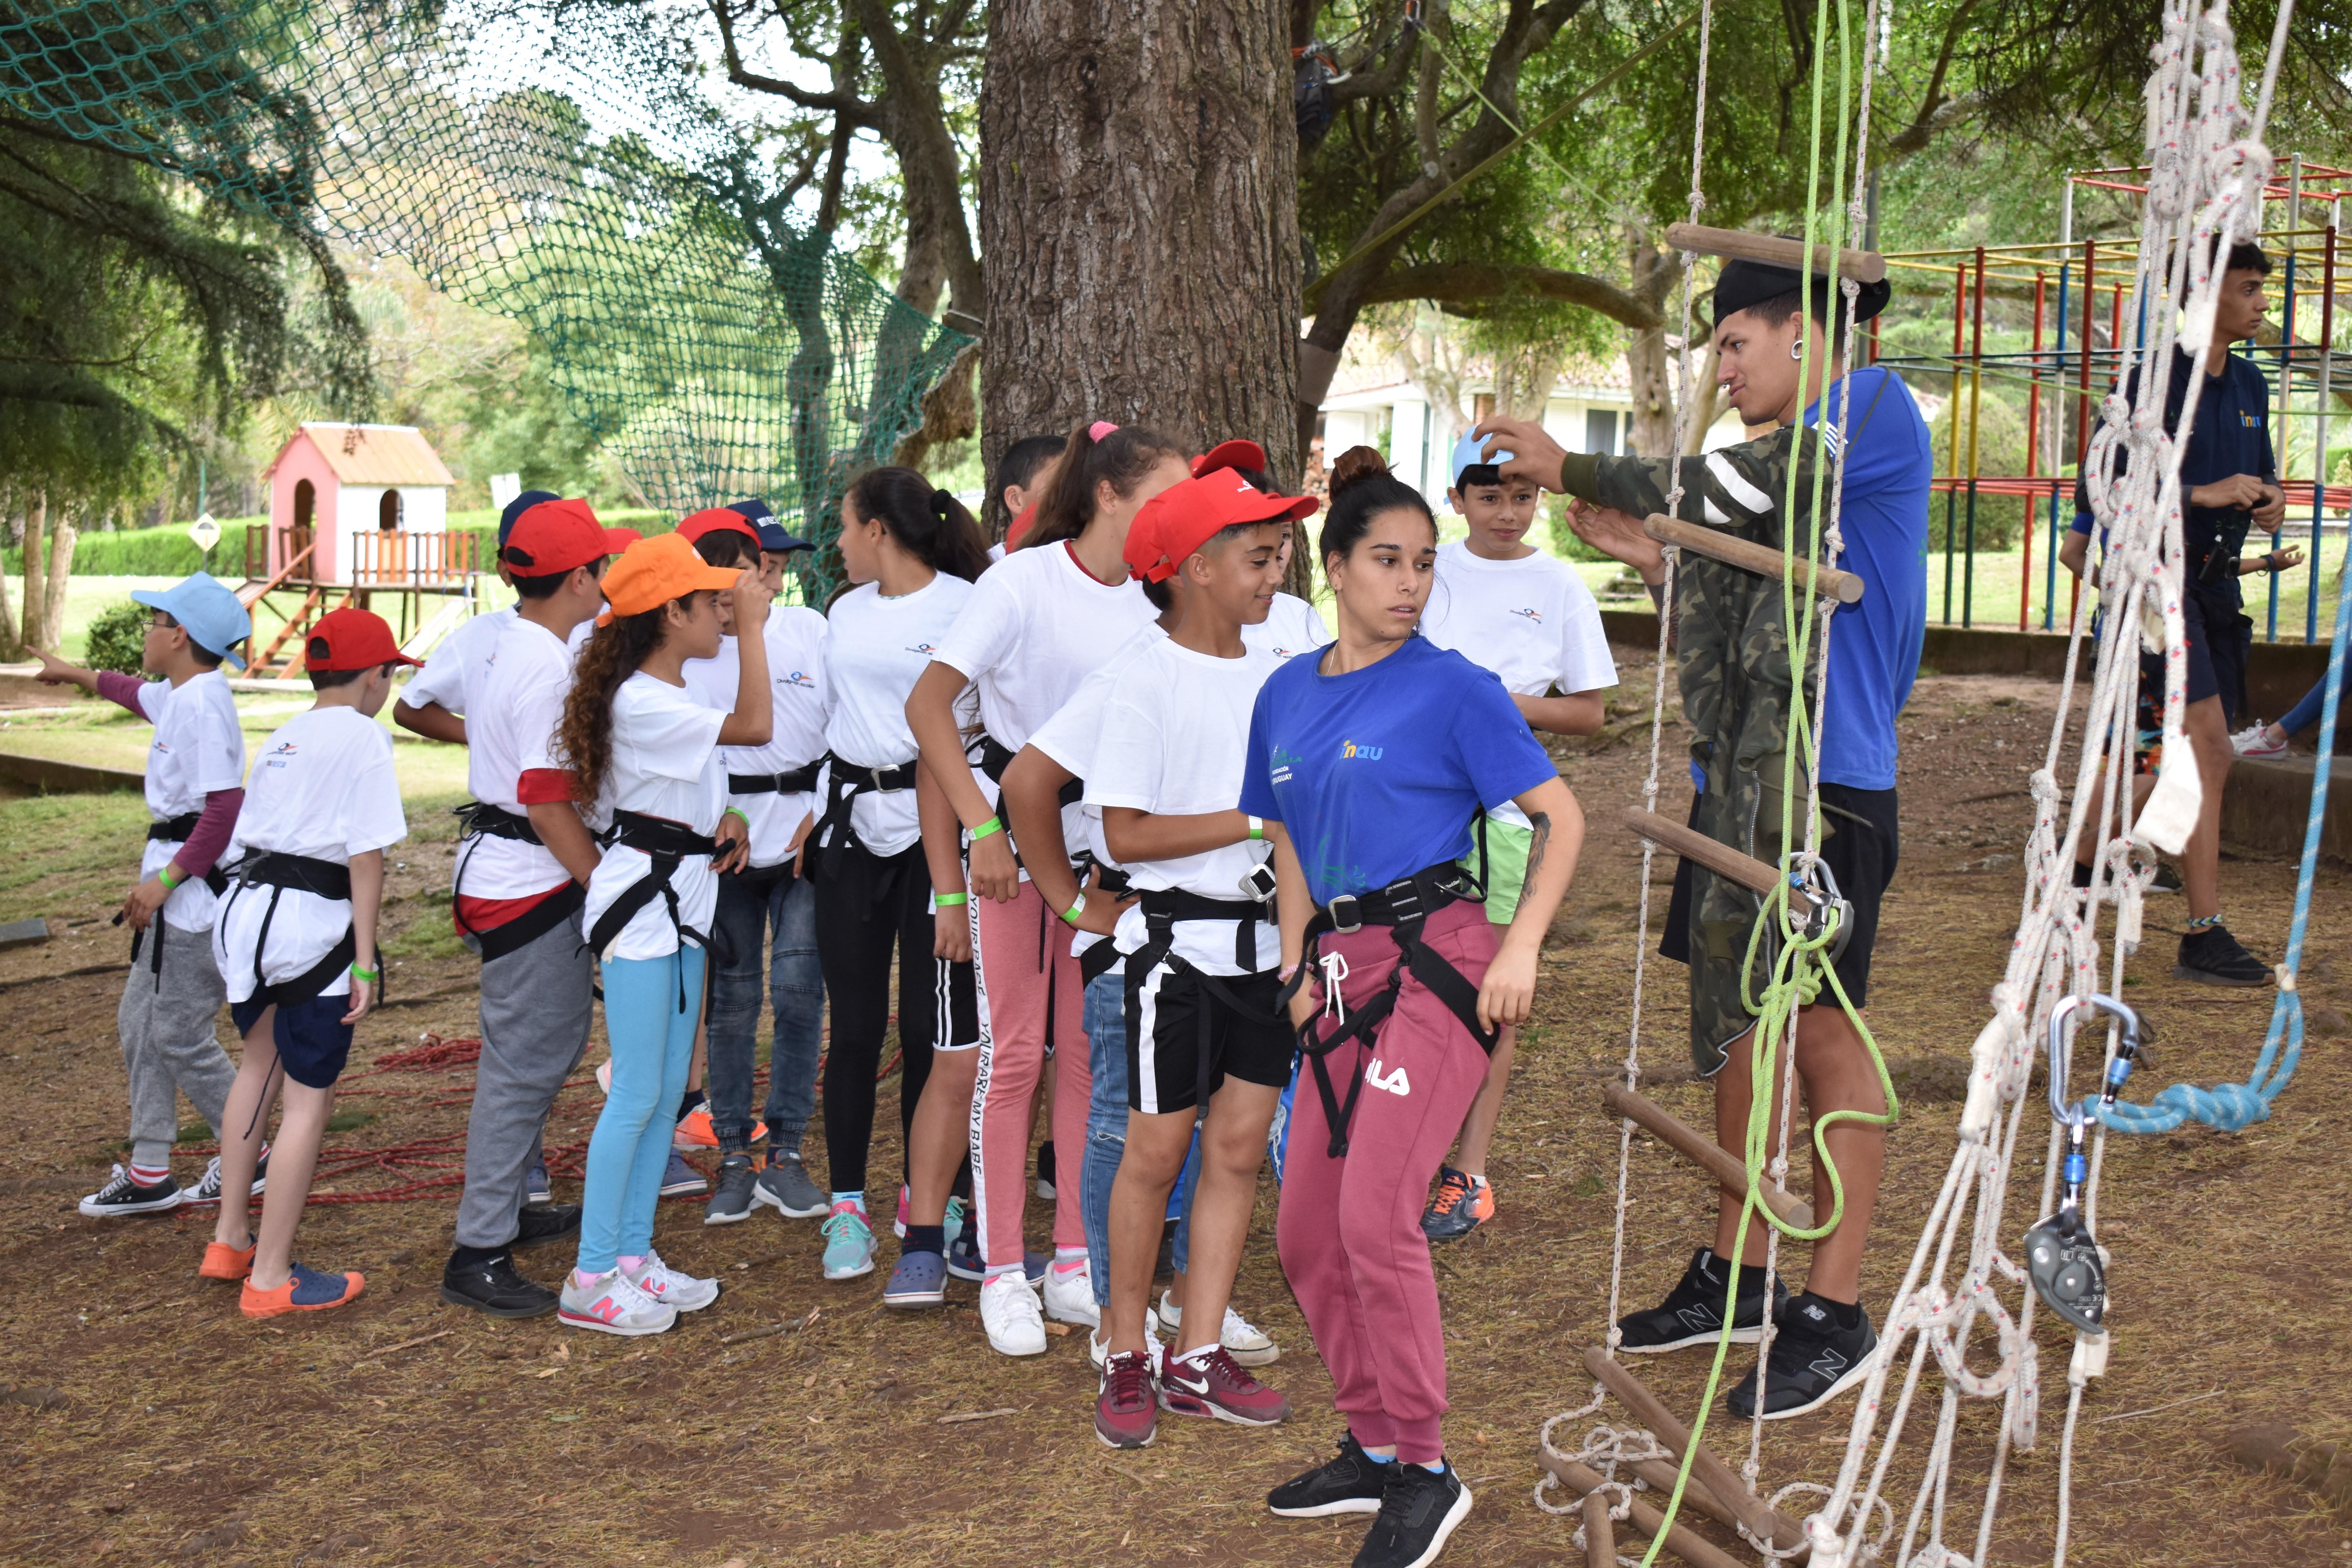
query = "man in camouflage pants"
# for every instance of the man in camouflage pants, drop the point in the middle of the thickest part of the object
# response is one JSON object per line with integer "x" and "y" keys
{"x": 1732, "y": 637}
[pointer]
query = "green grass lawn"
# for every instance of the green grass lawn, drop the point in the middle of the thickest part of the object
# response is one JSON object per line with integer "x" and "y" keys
{"x": 1998, "y": 587}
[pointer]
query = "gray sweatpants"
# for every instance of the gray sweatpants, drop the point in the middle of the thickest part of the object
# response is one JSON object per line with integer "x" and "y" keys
{"x": 166, "y": 1023}
{"x": 537, "y": 1003}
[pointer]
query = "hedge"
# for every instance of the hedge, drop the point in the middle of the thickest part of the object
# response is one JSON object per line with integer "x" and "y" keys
{"x": 168, "y": 551}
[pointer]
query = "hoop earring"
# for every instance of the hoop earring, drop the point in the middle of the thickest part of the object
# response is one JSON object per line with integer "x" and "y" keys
{"x": 1797, "y": 349}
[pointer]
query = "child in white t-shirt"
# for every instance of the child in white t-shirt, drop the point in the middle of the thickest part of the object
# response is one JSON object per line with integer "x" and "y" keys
{"x": 648, "y": 754}
{"x": 295, "y": 940}
{"x": 195, "y": 776}
{"x": 1506, "y": 605}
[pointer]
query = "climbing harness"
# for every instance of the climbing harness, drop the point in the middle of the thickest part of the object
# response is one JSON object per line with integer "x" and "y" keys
{"x": 173, "y": 830}
{"x": 477, "y": 820}
{"x": 844, "y": 783}
{"x": 327, "y": 878}
{"x": 666, "y": 846}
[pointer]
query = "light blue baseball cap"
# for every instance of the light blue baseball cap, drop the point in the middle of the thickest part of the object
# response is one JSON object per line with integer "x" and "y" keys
{"x": 206, "y": 608}
{"x": 1467, "y": 454}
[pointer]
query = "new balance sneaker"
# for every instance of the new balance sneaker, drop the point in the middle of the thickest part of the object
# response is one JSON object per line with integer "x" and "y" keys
{"x": 1069, "y": 1296}
{"x": 1812, "y": 1360}
{"x": 305, "y": 1291}
{"x": 848, "y": 1243}
{"x": 208, "y": 1191}
{"x": 1463, "y": 1204}
{"x": 121, "y": 1195}
{"x": 2213, "y": 957}
{"x": 731, "y": 1201}
{"x": 1419, "y": 1508}
{"x": 958, "y": 1219}
{"x": 1248, "y": 1344}
{"x": 535, "y": 1190}
{"x": 1692, "y": 1313}
{"x": 899, "y": 1224}
{"x": 1126, "y": 1409}
{"x": 1009, "y": 1311}
{"x": 670, "y": 1288}
{"x": 493, "y": 1286}
{"x": 610, "y": 1304}
{"x": 1351, "y": 1482}
{"x": 964, "y": 1255}
{"x": 680, "y": 1179}
{"x": 1209, "y": 1382}
{"x": 784, "y": 1186}
{"x": 2254, "y": 742}
{"x": 920, "y": 1279}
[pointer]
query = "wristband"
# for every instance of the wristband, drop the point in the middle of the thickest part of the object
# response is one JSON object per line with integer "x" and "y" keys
{"x": 737, "y": 813}
{"x": 366, "y": 976}
{"x": 993, "y": 824}
{"x": 947, "y": 900}
{"x": 1075, "y": 910}
{"x": 1258, "y": 828}
{"x": 168, "y": 879}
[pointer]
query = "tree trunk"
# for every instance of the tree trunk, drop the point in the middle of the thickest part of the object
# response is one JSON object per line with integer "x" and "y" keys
{"x": 1139, "y": 211}
{"x": 10, "y": 648}
{"x": 61, "y": 554}
{"x": 37, "y": 597}
{"x": 1653, "y": 431}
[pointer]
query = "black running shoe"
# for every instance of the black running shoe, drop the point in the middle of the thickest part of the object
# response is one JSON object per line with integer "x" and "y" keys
{"x": 2168, "y": 880}
{"x": 492, "y": 1286}
{"x": 1812, "y": 1361}
{"x": 546, "y": 1223}
{"x": 1353, "y": 1482}
{"x": 2213, "y": 957}
{"x": 121, "y": 1195}
{"x": 1419, "y": 1508}
{"x": 1692, "y": 1313}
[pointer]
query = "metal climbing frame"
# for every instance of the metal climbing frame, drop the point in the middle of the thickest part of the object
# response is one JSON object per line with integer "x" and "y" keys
{"x": 2079, "y": 291}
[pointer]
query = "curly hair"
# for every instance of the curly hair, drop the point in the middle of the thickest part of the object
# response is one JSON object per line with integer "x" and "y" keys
{"x": 612, "y": 654}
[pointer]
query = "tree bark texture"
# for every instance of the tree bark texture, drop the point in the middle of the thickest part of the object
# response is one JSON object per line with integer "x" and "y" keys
{"x": 1139, "y": 212}
{"x": 35, "y": 595}
{"x": 61, "y": 554}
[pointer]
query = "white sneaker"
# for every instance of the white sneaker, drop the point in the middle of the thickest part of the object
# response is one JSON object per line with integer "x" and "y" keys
{"x": 1009, "y": 1311}
{"x": 610, "y": 1304}
{"x": 1098, "y": 1343}
{"x": 1070, "y": 1296}
{"x": 667, "y": 1286}
{"x": 2254, "y": 742}
{"x": 1244, "y": 1340}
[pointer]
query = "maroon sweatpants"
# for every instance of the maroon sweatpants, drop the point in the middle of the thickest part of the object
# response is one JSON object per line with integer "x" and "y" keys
{"x": 1349, "y": 1230}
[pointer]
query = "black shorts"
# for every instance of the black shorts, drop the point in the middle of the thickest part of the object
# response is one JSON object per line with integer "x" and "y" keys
{"x": 2218, "y": 642}
{"x": 313, "y": 1042}
{"x": 1859, "y": 845}
{"x": 1165, "y": 1012}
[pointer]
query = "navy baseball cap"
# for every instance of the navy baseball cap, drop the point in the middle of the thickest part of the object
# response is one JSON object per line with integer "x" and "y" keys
{"x": 774, "y": 539}
{"x": 517, "y": 507}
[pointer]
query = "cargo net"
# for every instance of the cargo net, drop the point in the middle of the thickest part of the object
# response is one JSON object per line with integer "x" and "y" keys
{"x": 564, "y": 168}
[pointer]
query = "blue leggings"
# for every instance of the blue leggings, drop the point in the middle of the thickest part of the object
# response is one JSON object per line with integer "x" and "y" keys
{"x": 2305, "y": 714}
{"x": 653, "y": 1046}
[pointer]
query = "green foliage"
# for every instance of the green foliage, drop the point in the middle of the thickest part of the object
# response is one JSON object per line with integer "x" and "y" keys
{"x": 117, "y": 639}
{"x": 1565, "y": 545}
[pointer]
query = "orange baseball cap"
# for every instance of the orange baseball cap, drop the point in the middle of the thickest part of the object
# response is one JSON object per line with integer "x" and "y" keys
{"x": 1229, "y": 454}
{"x": 560, "y": 535}
{"x": 351, "y": 638}
{"x": 719, "y": 519}
{"x": 653, "y": 572}
{"x": 1180, "y": 519}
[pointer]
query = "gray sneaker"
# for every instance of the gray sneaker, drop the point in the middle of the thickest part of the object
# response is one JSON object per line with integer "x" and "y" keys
{"x": 785, "y": 1185}
{"x": 731, "y": 1201}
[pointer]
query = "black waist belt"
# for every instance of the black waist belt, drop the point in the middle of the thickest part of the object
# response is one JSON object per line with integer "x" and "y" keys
{"x": 327, "y": 879}
{"x": 1403, "y": 906}
{"x": 1162, "y": 909}
{"x": 799, "y": 781}
{"x": 174, "y": 831}
{"x": 834, "y": 832}
{"x": 480, "y": 819}
{"x": 995, "y": 757}
{"x": 667, "y": 845}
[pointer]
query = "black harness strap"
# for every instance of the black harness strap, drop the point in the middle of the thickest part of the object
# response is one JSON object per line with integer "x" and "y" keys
{"x": 173, "y": 830}
{"x": 1162, "y": 909}
{"x": 477, "y": 820}
{"x": 794, "y": 781}
{"x": 327, "y": 878}
{"x": 995, "y": 757}
{"x": 834, "y": 832}
{"x": 666, "y": 844}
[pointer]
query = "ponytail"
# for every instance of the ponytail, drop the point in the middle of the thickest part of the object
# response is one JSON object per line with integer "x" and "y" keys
{"x": 1361, "y": 488}
{"x": 927, "y": 523}
{"x": 1095, "y": 455}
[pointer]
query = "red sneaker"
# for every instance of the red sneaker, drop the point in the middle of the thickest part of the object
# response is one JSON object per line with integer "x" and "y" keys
{"x": 1126, "y": 1414}
{"x": 1210, "y": 1382}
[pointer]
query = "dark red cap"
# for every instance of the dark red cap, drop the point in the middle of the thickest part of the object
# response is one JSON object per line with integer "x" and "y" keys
{"x": 351, "y": 638}
{"x": 1020, "y": 526}
{"x": 1229, "y": 454}
{"x": 719, "y": 519}
{"x": 558, "y": 535}
{"x": 1185, "y": 516}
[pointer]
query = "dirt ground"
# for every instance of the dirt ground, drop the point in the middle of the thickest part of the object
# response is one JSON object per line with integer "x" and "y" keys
{"x": 404, "y": 1431}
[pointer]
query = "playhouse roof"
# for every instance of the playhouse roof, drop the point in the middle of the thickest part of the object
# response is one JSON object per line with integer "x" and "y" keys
{"x": 371, "y": 454}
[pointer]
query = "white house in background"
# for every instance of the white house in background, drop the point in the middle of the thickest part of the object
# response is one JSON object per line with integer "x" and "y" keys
{"x": 1373, "y": 404}
{"x": 331, "y": 484}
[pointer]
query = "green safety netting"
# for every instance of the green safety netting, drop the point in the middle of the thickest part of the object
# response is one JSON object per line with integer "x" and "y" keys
{"x": 561, "y": 166}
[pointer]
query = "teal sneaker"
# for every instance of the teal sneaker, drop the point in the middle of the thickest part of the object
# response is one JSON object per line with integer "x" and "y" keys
{"x": 848, "y": 1243}
{"x": 956, "y": 1219}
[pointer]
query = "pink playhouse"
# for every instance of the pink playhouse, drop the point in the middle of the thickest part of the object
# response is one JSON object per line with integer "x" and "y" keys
{"x": 369, "y": 503}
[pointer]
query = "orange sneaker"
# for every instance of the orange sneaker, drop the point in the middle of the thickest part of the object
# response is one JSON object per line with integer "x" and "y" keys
{"x": 223, "y": 1261}
{"x": 305, "y": 1291}
{"x": 696, "y": 1131}
{"x": 1463, "y": 1204}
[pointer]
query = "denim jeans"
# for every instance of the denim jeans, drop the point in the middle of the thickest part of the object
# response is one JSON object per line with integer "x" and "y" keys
{"x": 797, "y": 987}
{"x": 1105, "y": 1024}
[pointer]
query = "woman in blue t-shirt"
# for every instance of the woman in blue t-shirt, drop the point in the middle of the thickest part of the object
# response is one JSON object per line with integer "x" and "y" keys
{"x": 1370, "y": 763}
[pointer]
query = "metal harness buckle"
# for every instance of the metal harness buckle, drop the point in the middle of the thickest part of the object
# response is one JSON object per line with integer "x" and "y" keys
{"x": 1347, "y": 912}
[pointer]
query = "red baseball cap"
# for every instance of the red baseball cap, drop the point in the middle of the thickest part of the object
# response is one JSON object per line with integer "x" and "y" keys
{"x": 560, "y": 535}
{"x": 351, "y": 638}
{"x": 1180, "y": 519}
{"x": 719, "y": 519}
{"x": 1019, "y": 527}
{"x": 1229, "y": 454}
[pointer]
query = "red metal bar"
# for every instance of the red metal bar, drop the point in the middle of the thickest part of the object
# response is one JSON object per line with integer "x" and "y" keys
{"x": 2033, "y": 451}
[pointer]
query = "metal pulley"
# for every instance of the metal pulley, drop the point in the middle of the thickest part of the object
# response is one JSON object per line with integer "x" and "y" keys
{"x": 2062, "y": 1259}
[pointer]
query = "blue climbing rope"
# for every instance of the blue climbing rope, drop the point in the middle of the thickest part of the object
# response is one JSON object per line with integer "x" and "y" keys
{"x": 2233, "y": 1106}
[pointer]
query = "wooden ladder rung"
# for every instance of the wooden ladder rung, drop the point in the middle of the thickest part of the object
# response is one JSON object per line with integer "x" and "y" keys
{"x": 1691, "y": 1547}
{"x": 1762, "y": 1521}
{"x": 1692, "y": 845}
{"x": 1748, "y": 556}
{"x": 1704, "y": 1152}
{"x": 1773, "y": 250}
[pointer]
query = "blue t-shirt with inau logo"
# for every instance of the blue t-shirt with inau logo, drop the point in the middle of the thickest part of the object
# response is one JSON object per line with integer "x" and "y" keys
{"x": 1377, "y": 773}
